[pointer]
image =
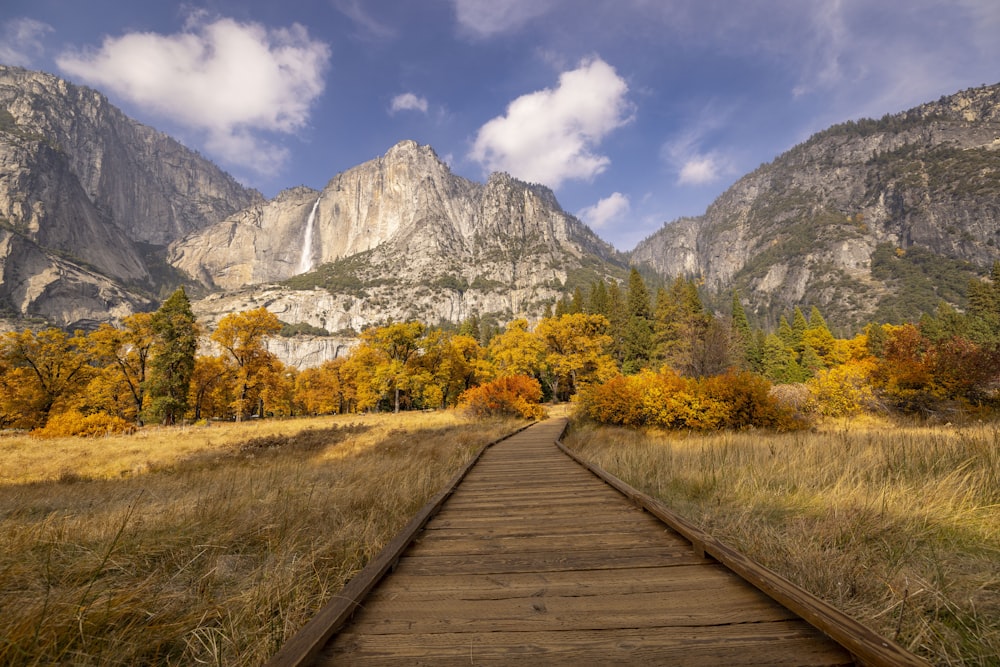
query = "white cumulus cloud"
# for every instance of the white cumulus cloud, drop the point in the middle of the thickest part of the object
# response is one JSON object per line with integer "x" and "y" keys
{"x": 408, "y": 102}
{"x": 232, "y": 81}
{"x": 609, "y": 210}
{"x": 550, "y": 136}
{"x": 485, "y": 18}
{"x": 699, "y": 170}
{"x": 22, "y": 41}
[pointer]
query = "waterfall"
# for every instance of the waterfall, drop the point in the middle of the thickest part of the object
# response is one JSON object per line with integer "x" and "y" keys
{"x": 306, "y": 262}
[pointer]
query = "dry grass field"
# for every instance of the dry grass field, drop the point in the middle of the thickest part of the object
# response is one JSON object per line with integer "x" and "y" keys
{"x": 204, "y": 545}
{"x": 898, "y": 526}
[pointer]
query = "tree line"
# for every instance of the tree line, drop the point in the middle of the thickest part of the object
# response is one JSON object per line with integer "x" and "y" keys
{"x": 613, "y": 345}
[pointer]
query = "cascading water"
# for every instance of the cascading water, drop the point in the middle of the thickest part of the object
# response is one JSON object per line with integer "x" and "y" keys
{"x": 306, "y": 262}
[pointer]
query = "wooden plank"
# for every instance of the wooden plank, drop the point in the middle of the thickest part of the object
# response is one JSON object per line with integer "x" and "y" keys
{"x": 652, "y": 556}
{"x": 731, "y": 605}
{"x": 778, "y": 643}
{"x": 563, "y": 544}
{"x": 707, "y": 576}
{"x": 522, "y": 489}
{"x": 521, "y": 513}
{"x": 448, "y": 519}
{"x": 529, "y": 528}
{"x": 568, "y": 504}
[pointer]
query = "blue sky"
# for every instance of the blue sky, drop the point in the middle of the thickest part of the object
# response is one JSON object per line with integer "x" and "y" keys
{"x": 635, "y": 112}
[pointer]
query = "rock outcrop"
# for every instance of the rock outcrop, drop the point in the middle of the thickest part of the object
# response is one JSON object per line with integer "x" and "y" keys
{"x": 868, "y": 219}
{"x": 97, "y": 194}
{"x": 396, "y": 238}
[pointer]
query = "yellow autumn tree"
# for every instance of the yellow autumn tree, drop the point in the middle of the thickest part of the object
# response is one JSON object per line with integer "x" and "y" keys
{"x": 843, "y": 390}
{"x": 576, "y": 352}
{"x": 46, "y": 372}
{"x": 446, "y": 366}
{"x": 516, "y": 351}
{"x": 392, "y": 348}
{"x": 243, "y": 336}
{"x": 278, "y": 390}
{"x": 320, "y": 390}
{"x": 125, "y": 353}
{"x": 211, "y": 393}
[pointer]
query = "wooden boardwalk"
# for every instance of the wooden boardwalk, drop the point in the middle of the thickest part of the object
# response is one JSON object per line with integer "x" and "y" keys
{"x": 535, "y": 560}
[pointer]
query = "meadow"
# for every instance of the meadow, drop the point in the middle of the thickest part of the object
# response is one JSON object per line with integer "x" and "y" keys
{"x": 897, "y": 525}
{"x": 213, "y": 544}
{"x": 205, "y": 545}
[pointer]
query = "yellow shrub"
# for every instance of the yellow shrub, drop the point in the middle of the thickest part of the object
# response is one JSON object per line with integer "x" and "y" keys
{"x": 843, "y": 390}
{"x": 74, "y": 423}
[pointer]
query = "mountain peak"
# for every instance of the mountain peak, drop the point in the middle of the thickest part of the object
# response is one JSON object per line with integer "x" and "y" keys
{"x": 409, "y": 150}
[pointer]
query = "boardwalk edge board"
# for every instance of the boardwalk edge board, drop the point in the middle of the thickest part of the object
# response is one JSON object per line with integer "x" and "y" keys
{"x": 303, "y": 647}
{"x": 867, "y": 646}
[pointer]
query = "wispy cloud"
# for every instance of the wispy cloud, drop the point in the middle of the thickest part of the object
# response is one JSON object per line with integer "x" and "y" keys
{"x": 551, "y": 135}
{"x": 408, "y": 102}
{"x": 687, "y": 155}
{"x": 607, "y": 211}
{"x": 369, "y": 26}
{"x": 22, "y": 41}
{"x": 233, "y": 81}
{"x": 859, "y": 57}
{"x": 486, "y": 18}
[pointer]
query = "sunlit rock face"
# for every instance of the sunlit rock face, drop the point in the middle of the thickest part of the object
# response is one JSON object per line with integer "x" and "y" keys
{"x": 396, "y": 238}
{"x": 89, "y": 200}
{"x": 805, "y": 228}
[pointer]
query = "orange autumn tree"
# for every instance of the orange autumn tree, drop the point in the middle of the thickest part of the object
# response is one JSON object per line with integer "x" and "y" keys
{"x": 915, "y": 374}
{"x": 507, "y": 396}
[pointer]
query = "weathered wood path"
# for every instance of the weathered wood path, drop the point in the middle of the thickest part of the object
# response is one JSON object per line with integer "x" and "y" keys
{"x": 534, "y": 559}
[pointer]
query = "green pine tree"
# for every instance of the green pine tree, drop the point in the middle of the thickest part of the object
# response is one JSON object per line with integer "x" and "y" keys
{"x": 983, "y": 325}
{"x": 617, "y": 316}
{"x": 742, "y": 334}
{"x": 785, "y": 333}
{"x": 176, "y": 343}
{"x": 799, "y": 326}
{"x": 638, "y": 326}
{"x": 680, "y": 323}
{"x": 470, "y": 327}
{"x": 598, "y": 302}
{"x": 577, "y": 303}
{"x": 810, "y": 361}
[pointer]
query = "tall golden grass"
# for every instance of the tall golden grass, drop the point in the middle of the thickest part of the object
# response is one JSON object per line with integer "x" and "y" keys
{"x": 898, "y": 526}
{"x": 211, "y": 546}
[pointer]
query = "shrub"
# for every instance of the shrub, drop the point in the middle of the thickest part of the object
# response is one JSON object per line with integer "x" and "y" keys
{"x": 843, "y": 390}
{"x": 618, "y": 401}
{"x": 750, "y": 402}
{"x": 735, "y": 400}
{"x": 510, "y": 396}
{"x": 74, "y": 423}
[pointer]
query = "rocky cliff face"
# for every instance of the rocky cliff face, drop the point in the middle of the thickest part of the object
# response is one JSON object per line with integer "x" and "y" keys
{"x": 396, "y": 238}
{"x": 96, "y": 194}
{"x": 869, "y": 219}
